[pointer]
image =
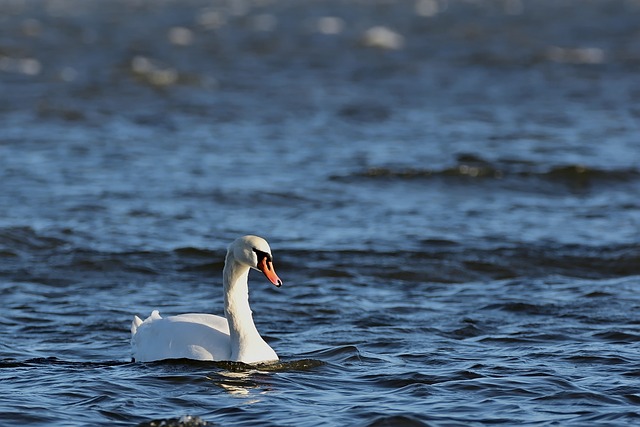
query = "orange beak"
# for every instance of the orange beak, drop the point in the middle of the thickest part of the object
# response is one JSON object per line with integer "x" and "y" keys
{"x": 266, "y": 267}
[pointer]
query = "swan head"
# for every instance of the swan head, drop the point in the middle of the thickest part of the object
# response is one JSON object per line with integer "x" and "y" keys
{"x": 255, "y": 252}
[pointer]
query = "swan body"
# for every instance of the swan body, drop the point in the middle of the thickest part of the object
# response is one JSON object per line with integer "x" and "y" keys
{"x": 197, "y": 336}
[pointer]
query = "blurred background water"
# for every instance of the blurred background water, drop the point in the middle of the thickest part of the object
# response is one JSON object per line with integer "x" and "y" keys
{"x": 450, "y": 189}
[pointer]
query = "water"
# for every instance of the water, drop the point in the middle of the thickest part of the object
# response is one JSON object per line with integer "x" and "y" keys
{"x": 452, "y": 207}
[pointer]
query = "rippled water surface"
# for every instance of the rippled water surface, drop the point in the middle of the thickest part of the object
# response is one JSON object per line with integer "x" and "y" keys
{"x": 450, "y": 189}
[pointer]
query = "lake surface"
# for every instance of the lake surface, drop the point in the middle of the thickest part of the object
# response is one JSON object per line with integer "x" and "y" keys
{"x": 450, "y": 190}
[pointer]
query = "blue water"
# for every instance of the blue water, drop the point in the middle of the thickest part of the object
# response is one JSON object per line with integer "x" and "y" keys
{"x": 453, "y": 210}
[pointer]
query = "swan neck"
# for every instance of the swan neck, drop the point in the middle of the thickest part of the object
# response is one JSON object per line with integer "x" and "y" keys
{"x": 242, "y": 330}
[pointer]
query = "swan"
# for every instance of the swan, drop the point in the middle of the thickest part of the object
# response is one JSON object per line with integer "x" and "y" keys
{"x": 206, "y": 336}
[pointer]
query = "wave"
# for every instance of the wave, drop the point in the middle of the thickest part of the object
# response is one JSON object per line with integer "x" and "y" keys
{"x": 460, "y": 263}
{"x": 40, "y": 258}
{"x": 16, "y": 240}
{"x": 11, "y": 363}
{"x": 474, "y": 169}
{"x": 183, "y": 421}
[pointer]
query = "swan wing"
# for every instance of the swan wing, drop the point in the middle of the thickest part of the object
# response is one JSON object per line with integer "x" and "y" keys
{"x": 190, "y": 336}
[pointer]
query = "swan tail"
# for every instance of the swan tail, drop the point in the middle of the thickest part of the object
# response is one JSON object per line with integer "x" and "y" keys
{"x": 134, "y": 325}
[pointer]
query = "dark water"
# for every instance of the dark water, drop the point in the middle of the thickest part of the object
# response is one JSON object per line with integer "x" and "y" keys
{"x": 452, "y": 201}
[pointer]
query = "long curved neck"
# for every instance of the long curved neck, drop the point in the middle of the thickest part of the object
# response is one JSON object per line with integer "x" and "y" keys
{"x": 242, "y": 330}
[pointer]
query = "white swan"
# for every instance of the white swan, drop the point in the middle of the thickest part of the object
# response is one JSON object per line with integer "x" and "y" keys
{"x": 208, "y": 337}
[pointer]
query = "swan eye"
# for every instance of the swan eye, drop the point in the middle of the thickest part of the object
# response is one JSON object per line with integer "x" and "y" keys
{"x": 262, "y": 255}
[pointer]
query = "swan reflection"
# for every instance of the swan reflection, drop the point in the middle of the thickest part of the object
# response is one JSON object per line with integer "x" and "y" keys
{"x": 241, "y": 384}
